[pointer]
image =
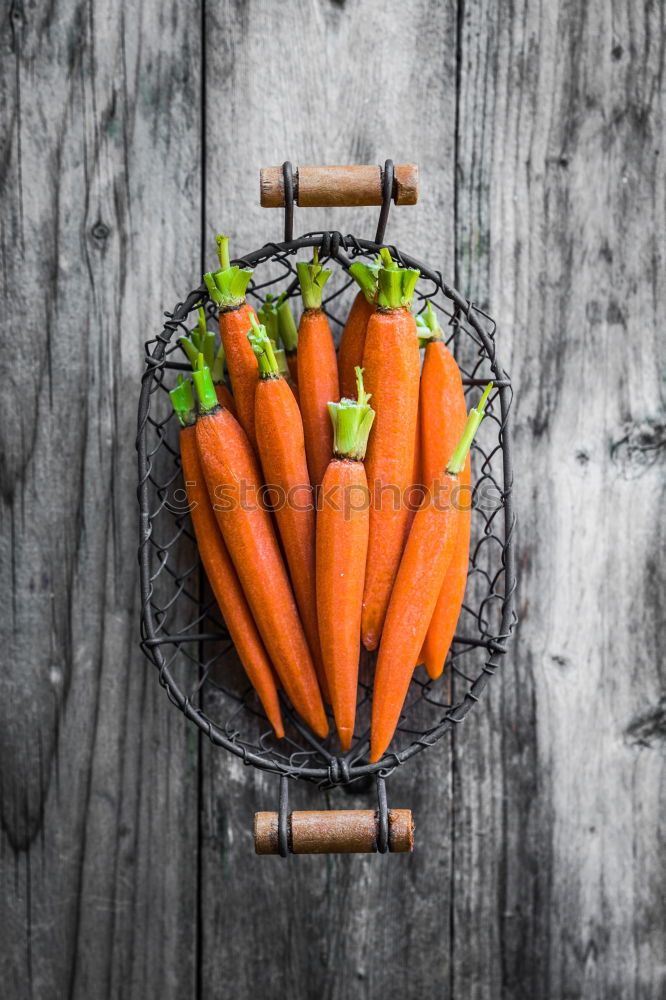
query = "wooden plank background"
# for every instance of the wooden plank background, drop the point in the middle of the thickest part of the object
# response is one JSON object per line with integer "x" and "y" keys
{"x": 131, "y": 134}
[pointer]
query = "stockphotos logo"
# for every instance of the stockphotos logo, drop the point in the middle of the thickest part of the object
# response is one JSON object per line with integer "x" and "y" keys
{"x": 348, "y": 499}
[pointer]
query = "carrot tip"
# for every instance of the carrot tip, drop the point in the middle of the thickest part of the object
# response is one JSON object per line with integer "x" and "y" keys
{"x": 434, "y": 670}
{"x": 370, "y": 641}
{"x": 345, "y": 735}
{"x": 321, "y": 729}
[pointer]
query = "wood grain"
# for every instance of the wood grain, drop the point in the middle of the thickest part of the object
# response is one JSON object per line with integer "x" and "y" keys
{"x": 131, "y": 136}
{"x": 331, "y": 187}
{"x": 334, "y": 831}
{"x": 557, "y": 795}
{"x": 99, "y": 783}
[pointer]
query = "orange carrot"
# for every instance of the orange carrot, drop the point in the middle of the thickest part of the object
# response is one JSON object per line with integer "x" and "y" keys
{"x": 202, "y": 340}
{"x": 282, "y": 453}
{"x": 234, "y": 485}
{"x": 442, "y": 403}
{"x": 225, "y": 398}
{"x": 342, "y": 543}
{"x": 227, "y": 288}
{"x": 445, "y": 617}
{"x": 415, "y": 494}
{"x": 288, "y": 336}
{"x": 317, "y": 370}
{"x": 218, "y": 566}
{"x": 392, "y": 366}
{"x": 424, "y": 563}
{"x": 352, "y": 342}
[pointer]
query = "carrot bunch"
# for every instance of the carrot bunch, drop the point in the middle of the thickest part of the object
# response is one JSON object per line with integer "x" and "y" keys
{"x": 301, "y": 475}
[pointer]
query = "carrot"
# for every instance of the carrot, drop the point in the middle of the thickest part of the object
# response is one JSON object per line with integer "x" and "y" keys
{"x": 202, "y": 340}
{"x": 424, "y": 563}
{"x": 445, "y": 617}
{"x": 218, "y": 566}
{"x": 391, "y": 362}
{"x": 227, "y": 288}
{"x": 317, "y": 369}
{"x": 415, "y": 494}
{"x": 352, "y": 342}
{"x": 225, "y": 398}
{"x": 342, "y": 543}
{"x": 234, "y": 485}
{"x": 288, "y": 335}
{"x": 442, "y": 403}
{"x": 282, "y": 452}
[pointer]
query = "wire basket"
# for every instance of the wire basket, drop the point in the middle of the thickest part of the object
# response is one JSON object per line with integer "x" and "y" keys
{"x": 182, "y": 632}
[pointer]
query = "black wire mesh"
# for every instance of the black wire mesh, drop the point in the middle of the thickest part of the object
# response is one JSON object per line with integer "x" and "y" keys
{"x": 182, "y": 630}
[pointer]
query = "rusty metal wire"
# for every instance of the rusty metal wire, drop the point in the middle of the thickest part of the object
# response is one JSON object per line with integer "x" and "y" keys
{"x": 182, "y": 632}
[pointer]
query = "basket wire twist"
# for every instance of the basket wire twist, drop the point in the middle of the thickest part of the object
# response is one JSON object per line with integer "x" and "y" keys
{"x": 182, "y": 632}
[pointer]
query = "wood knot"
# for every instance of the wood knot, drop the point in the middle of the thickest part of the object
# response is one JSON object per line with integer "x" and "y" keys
{"x": 100, "y": 231}
{"x": 648, "y": 728}
{"x": 639, "y": 447}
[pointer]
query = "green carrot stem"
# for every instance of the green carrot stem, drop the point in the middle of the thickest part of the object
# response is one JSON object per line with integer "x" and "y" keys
{"x": 191, "y": 350}
{"x": 222, "y": 242}
{"x": 217, "y": 370}
{"x": 268, "y": 316}
{"x": 352, "y": 420}
{"x": 204, "y": 386}
{"x": 287, "y": 326}
{"x": 227, "y": 287}
{"x": 262, "y": 346}
{"x": 428, "y": 326}
{"x": 365, "y": 276}
{"x": 387, "y": 261}
{"x": 182, "y": 400}
{"x": 312, "y": 278}
{"x": 208, "y": 349}
{"x": 281, "y": 362}
{"x": 476, "y": 414}
{"x": 395, "y": 284}
{"x": 200, "y": 330}
{"x": 215, "y": 362}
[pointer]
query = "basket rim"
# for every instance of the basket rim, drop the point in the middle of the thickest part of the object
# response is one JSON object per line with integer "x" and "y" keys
{"x": 340, "y": 770}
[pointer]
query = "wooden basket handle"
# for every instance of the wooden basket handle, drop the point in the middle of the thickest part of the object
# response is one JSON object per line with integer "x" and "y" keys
{"x": 324, "y": 187}
{"x": 342, "y": 831}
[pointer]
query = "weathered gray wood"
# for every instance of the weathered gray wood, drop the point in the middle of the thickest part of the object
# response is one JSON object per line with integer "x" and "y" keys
{"x": 537, "y": 870}
{"x": 327, "y": 83}
{"x": 559, "y": 884}
{"x": 99, "y": 780}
